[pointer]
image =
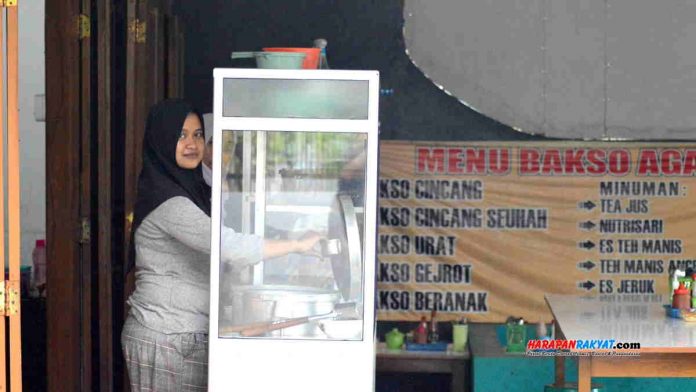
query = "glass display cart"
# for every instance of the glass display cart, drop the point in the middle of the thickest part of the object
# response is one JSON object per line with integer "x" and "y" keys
{"x": 295, "y": 155}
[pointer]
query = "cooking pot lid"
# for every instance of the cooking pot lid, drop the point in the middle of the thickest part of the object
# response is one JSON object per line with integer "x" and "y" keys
{"x": 347, "y": 263}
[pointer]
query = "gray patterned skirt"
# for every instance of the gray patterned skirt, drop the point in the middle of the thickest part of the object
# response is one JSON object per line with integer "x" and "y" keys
{"x": 164, "y": 362}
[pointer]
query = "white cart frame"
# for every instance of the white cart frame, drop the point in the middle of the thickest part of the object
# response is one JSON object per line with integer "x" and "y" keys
{"x": 258, "y": 364}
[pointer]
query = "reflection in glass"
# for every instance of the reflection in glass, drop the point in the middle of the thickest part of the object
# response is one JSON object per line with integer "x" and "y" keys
{"x": 281, "y": 185}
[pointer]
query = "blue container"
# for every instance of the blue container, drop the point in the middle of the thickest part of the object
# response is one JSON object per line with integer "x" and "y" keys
{"x": 439, "y": 346}
{"x": 672, "y": 312}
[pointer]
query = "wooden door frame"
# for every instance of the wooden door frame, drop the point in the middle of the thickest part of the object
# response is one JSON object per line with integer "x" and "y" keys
{"x": 109, "y": 321}
{"x": 85, "y": 206}
{"x": 11, "y": 132}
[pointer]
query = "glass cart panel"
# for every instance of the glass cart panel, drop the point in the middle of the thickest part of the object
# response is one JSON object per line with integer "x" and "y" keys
{"x": 296, "y": 98}
{"x": 279, "y": 186}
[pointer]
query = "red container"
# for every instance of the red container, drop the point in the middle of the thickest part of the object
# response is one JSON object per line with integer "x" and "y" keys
{"x": 311, "y": 60}
{"x": 681, "y": 298}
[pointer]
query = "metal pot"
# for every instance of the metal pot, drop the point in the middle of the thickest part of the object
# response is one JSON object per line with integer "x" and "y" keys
{"x": 262, "y": 303}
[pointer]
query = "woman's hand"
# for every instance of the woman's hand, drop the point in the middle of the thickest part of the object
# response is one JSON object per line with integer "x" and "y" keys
{"x": 307, "y": 242}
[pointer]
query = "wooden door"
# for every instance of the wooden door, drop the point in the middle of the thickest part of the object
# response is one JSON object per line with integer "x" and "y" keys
{"x": 103, "y": 166}
{"x": 84, "y": 205}
{"x": 63, "y": 192}
{"x": 78, "y": 196}
{"x": 154, "y": 71}
{"x": 175, "y": 58}
{"x": 138, "y": 85}
{"x": 143, "y": 91}
{"x": 101, "y": 81}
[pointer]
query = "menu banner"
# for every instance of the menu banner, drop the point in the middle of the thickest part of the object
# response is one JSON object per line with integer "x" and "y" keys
{"x": 484, "y": 230}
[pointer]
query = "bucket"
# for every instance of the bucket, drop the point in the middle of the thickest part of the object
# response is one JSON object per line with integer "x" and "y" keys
{"x": 311, "y": 60}
{"x": 273, "y": 60}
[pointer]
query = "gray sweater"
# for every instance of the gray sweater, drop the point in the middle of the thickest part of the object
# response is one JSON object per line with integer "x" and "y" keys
{"x": 172, "y": 276}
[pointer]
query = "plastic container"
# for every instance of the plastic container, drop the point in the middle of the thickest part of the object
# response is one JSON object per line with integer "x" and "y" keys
{"x": 687, "y": 280}
{"x": 321, "y": 44}
{"x": 38, "y": 257}
{"x": 541, "y": 330}
{"x": 394, "y": 339}
{"x": 311, "y": 60}
{"x": 674, "y": 282}
{"x": 433, "y": 333}
{"x": 516, "y": 336}
{"x": 273, "y": 60}
{"x": 323, "y": 61}
{"x": 460, "y": 335}
{"x": 420, "y": 335}
{"x": 671, "y": 312}
{"x": 440, "y": 346}
{"x": 681, "y": 298}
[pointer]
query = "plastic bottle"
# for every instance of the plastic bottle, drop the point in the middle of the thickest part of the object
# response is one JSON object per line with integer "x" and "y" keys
{"x": 674, "y": 282}
{"x": 681, "y": 298}
{"x": 541, "y": 330}
{"x": 420, "y": 335}
{"x": 433, "y": 334}
{"x": 460, "y": 335}
{"x": 321, "y": 44}
{"x": 693, "y": 292}
{"x": 38, "y": 256}
{"x": 516, "y": 333}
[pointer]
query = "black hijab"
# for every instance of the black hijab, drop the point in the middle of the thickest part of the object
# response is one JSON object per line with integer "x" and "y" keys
{"x": 161, "y": 177}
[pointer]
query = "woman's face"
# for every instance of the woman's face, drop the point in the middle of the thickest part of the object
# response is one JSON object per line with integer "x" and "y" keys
{"x": 208, "y": 153}
{"x": 189, "y": 149}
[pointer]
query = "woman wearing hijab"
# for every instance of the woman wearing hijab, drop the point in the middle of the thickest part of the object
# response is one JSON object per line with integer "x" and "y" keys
{"x": 164, "y": 338}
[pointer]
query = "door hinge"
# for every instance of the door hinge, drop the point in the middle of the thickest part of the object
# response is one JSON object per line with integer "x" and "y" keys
{"x": 84, "y": 29}
{"x": 137, "y": 31}
{"x": 8, "y": 3}
{"x": 86, "y": 231}
{"x": 9, "y": 297}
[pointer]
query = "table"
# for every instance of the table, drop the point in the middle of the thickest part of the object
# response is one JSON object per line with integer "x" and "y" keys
{"x": 402, "y": 361}
{"x": 667, "y": 345}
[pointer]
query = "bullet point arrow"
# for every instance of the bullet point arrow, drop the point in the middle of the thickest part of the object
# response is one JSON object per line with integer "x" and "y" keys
{"x": 589, "y": 225}
{"x": 588, "y": 285}
{"x": 586, "y": 205}
{"x": 586, "y": 245}
{"x": 588, "y": 265}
